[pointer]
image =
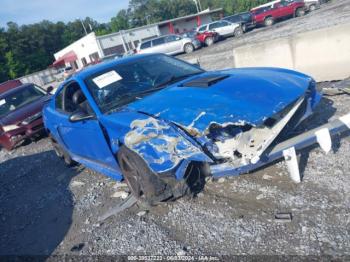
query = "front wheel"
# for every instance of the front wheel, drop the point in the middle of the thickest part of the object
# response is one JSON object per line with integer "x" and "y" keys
{"x": 209, "y": 41}
{"x": 189, "y": 48}
{"x": 300, "y": 12}
{"x": 269, "y": 21}
{"x": 312, "y": 8}
{"x": 144, "y": 184}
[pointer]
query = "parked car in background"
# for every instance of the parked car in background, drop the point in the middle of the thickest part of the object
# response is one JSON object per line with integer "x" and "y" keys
{"x": 268, "y": 14}
{"x": 223, "y": 28}
{"x": 9, "y": 85}
{"x": 244, "y": 19}
{"x": 169, "y": 44}
{"x": 68, "y": 71}
{"x": 20, "y": 114}
{"x": 151, "y": 119}
{"x": 312, "y": 5}
{"x": 206, "y": 38}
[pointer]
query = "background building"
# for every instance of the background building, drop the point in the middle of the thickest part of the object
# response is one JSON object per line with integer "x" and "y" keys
{"x": 80, "y": 53}
{"x": 90, "y": 48}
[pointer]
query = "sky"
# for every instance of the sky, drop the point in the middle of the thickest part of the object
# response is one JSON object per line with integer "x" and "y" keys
{"x": 33, "y": 11}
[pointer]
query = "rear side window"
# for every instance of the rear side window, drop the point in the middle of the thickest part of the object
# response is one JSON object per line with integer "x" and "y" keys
{"x": 59, "y": 100}
{"x": 246, "y": 16}
{"x": 145, "y": 45}
{"x": 213, "y": 26}
{"x": 233, "y": 19}
{"x": 202, "y": 28}
{"x": 171, "y": 38}
{"x": 158, "y": 41}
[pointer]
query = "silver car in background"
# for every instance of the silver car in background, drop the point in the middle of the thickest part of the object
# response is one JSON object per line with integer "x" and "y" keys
{"x": 223, "y": 28}
{"x": 169, "y": 44}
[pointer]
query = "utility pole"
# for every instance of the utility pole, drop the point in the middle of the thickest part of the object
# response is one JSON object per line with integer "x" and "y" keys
{"x": 196, "y": 3}
{"x": 83, "y": 26}
{"x": 200, "y": 5}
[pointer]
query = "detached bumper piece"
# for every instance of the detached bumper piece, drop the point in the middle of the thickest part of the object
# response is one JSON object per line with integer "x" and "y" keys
{"x": 289, "y": 148}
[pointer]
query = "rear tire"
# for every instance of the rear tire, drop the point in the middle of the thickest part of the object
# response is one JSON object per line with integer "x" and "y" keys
{"x": 144, "y": 184}
{"x": 238, "y": 32}
{"x": 312, "y": 8}
{"x": 189, "y": 48}
{"x": 299, "y": 12}
{"x": 209, "y": 41}
{"x": 61, "y": 153}
{"x": 269, "y": 21}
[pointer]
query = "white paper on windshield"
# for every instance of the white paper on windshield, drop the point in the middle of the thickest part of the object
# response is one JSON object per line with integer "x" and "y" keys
{"x": 107, "y": 79}
{"x": 2, "y": 102}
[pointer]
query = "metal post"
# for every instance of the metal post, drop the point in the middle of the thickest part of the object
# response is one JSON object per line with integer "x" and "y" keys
{"x": 83, "y": 27}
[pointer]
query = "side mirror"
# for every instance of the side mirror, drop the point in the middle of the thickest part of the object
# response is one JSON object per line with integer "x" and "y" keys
{"x": 49, "y": 89}
{"x": 80, "y": 116}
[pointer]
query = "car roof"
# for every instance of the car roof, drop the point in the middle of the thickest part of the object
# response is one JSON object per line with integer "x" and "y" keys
{"x": 102, "y": 66}
{"x": 14, "y": 89}
{"x": 161, "y": 36}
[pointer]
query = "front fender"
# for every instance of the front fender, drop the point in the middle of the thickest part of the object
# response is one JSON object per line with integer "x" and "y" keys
{"x": 161, "y": 145}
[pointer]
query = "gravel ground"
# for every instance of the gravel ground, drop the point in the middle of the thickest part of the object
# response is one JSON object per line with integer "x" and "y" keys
{"x": 47, "y": 208}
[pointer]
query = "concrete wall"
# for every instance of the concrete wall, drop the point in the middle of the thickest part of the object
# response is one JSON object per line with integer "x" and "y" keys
{"x": 40, "y": 78}
{"x": 324, "y": 54}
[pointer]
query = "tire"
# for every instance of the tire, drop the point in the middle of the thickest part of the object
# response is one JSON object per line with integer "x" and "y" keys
{"x": 61, "y": 153}
{"x": 269, "y": 21}
{"x": 143, "y": 183}
{"x": 188, "y": 48}
{"x": 312, "y": 8}
{"x": 238, "y": 32}
{"x": 209, "y": 41}
{"x": 299, "y": 12}
{"x": 244, "y": 28}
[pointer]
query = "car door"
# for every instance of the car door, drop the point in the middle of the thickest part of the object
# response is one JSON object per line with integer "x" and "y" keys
{"x": 84, "y": 140}
{"x": 284, "y": 8}
{"x": 227, "y": 27}
{"x": 158, "y": 46}
{"x": 216, "y": 28}
{"x": 173, "y": 44}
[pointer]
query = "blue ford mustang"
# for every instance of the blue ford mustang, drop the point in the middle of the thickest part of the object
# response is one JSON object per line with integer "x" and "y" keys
{"x": 158, "y": 122}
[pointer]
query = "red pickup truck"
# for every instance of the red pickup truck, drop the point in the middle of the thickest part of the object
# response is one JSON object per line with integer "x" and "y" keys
{"x": 268, "y": 13}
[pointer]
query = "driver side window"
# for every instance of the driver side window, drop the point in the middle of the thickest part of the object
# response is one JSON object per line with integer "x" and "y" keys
{"x": 71, "y": 99}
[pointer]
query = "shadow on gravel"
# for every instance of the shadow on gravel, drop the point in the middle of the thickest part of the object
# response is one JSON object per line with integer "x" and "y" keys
{"x": 36, "y": 204}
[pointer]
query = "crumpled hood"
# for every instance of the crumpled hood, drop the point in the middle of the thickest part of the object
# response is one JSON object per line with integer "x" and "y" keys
{"x": 247, "y": 95}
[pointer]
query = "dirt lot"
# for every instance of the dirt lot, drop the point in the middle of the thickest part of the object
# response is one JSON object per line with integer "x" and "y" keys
{"x": 46, "y": 208}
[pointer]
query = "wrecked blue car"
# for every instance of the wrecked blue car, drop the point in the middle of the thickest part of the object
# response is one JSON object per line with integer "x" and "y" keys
{"x": 161, "y": 123}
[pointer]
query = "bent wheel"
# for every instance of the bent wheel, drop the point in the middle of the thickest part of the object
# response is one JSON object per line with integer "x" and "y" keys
{"x": 144, "y": 184}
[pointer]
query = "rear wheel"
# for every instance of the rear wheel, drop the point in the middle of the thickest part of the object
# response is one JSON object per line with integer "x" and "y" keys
{"x": 209, "y": 41}
{"x": 312, "y": 8}
{"x": 189, "y": 48}
{"x": 144, "y": 184}
{"x": 299, "y": 12}
{"x": 61, "y": 153}
{"x": 269, "y": 21}
{"x": 238, "y": 32}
